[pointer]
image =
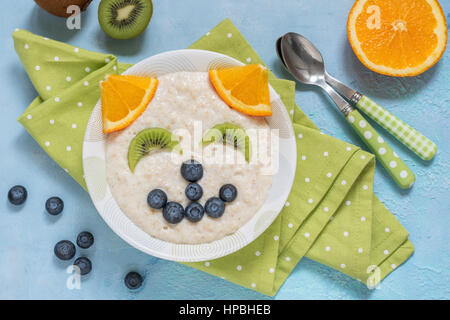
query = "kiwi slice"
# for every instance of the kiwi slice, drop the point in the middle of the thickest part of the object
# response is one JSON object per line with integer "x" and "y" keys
{"x": 124, "y": 19}
{"x": 149, "y": 140}
{"x": 229, "y": 133}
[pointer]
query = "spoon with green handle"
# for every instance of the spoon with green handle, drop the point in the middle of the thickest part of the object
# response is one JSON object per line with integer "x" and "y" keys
{"x": 415, "y": 141}
{"x": 306, "y": 64}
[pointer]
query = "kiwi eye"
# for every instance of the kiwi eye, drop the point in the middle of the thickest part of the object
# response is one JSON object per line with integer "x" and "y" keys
{"x": 229, "y": 133}
{"x": 149, "y": 140}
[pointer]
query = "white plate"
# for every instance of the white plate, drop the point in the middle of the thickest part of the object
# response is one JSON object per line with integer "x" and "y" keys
{"x": 95, "y": 168}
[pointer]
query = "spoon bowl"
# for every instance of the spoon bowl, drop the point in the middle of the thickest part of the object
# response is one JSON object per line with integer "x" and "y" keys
{"x": 302, "y": 59}
{"x": 305, "y": 63}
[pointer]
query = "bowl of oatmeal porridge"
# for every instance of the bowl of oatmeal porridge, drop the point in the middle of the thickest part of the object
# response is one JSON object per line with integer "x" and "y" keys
{"x": 187, "y": 105}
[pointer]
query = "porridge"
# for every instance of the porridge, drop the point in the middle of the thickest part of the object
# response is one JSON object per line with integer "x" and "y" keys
{"x": 187, "y": 105}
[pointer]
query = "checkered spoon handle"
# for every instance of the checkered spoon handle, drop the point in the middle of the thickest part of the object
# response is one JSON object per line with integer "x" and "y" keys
{"x": 410, "y": 137}
{"x": 398, "y": 170}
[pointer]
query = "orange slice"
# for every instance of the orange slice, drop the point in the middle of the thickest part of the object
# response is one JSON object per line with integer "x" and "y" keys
{"x": 397, "y": 37}
{"x": 245, "y": 89}
{"x": 124, "y": 99}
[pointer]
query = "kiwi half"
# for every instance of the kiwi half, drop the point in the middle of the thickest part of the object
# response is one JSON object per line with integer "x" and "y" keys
{"x": 149, "y": 140}
{"x": 232, "y": 134}
{"x": 124, "y": 19}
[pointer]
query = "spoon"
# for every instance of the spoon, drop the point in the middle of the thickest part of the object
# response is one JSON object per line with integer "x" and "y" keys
{"x": 306, "y": 64}
{"x": 411, "y": 138}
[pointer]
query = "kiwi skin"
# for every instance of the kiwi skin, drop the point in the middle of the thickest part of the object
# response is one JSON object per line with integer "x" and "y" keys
{"x": 122, "y": 32}
{"x": 59, "y": 7}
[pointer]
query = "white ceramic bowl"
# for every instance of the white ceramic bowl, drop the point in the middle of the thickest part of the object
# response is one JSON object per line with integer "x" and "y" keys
{"x": 95, "y": 168}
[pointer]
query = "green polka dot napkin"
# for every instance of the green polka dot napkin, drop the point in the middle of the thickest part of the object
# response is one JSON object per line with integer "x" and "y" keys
{"x": 332, "y": 215}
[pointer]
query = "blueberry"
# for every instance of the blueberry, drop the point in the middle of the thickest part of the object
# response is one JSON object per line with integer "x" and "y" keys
{"x": 85, "y": 240}
{"x": 54, "y": 206}
{"x": 193, "y": 191}
{"x": 214, "y": 207}
{"x": 192, "y": 170}
{"x": 173, "y": 212}
{"x": 65, "y": 250}
{"x": 157, "y": 199}
{"x": 228, "y": 193}
{"x": 84, "y": 264}
{"x": 194, "y": 212}
{"x": 17, "y": 195}
{"x": 133, "y": 280}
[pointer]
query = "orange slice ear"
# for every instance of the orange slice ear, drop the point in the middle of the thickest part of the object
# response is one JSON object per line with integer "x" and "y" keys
{"x": 124, "y": 99}
{"x": 245, "y": 89}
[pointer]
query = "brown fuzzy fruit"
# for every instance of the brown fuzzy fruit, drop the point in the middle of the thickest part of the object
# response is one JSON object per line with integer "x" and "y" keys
{"x": 59, "y": 7}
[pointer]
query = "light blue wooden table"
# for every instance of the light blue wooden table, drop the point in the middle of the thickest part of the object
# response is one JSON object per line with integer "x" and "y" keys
{"x": 28, "y": 268}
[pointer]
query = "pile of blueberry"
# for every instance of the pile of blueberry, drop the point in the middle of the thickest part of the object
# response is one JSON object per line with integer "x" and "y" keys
{"x": 173, "y": 212}
{"x": 65, "y": 249}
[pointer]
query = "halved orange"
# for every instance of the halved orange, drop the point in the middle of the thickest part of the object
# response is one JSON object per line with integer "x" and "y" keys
{"x": 124, "y": 99}
{"x": 245, "y": 88}
{"x": 397, "y": 37}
